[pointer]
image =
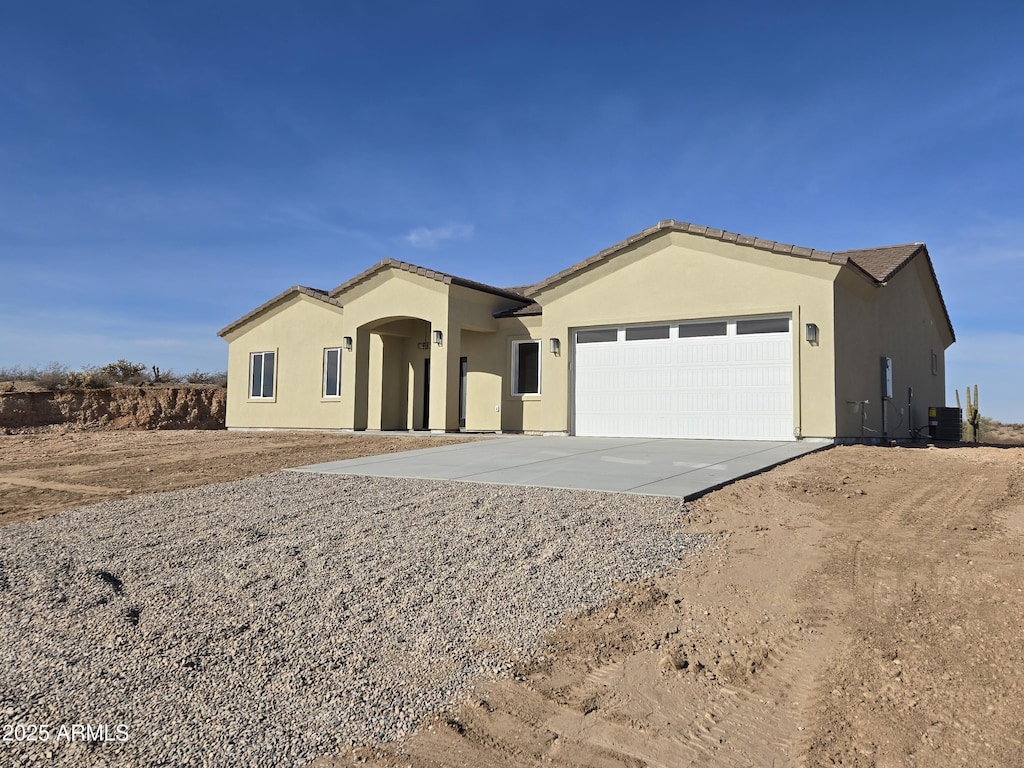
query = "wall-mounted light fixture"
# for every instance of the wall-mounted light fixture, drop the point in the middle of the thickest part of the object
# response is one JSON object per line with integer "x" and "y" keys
{"x": 438, "y": 338}
{"x": 811, "y": 333}
{"x": 555, "y": 346}
{"x": 348, "y": 343}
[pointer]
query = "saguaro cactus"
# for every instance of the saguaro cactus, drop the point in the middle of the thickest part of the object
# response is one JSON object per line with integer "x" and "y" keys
{"x": 971, "y": 414}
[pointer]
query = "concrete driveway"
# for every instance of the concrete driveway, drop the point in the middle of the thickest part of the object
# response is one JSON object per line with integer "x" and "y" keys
{"x": 681, "y": 468}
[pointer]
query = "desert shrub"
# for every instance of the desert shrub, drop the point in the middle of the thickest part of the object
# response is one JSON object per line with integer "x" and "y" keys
{"x": 55, "y": 376}
{"x": 14, "y": 373}
{"x": 51, "y": 376}
{"x": 87, "y": 378}
{"x": 123, "y": 372}
{"x": 217, "y": 378}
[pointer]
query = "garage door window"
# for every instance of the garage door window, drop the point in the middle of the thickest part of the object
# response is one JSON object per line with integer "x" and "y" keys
{"x": 647, "y": 333}
{"x": 526, "y": 368}
{"x": 701, "y": 330}
{"x": 598, "y": 336}
{"x": 763, "y": 325}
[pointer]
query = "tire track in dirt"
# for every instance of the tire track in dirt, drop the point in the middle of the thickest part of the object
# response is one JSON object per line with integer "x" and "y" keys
{"x": 50, "y": 485}
{"x": 863, "y": 610}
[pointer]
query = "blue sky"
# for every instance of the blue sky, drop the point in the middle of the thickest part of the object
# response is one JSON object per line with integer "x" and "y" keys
{"x": 166, "y": 167}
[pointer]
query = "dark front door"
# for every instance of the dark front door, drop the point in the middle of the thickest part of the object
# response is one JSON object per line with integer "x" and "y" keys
{"x": 426, "y": 394}
{"x": 463, "y": 375}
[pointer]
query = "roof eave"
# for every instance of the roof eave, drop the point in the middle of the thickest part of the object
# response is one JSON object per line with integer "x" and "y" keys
{"x": 300, "y": 290}
{"x": 671, "y": 225}
{"x": 431, "y": 274}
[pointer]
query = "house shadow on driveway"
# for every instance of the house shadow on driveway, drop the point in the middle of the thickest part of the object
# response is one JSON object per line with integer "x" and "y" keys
{"x": 683, "y": 469}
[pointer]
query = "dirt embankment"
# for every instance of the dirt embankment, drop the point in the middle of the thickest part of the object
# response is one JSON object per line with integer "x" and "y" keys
{"x": 121, "y": 408}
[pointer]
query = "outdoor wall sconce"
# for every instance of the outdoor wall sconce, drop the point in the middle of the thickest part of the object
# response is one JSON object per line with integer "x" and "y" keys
{"x": 556, "y": 347}
{"x": 438, "y": 338}
{"x": 811, "y": 334}
{"x": 348, "y": 343}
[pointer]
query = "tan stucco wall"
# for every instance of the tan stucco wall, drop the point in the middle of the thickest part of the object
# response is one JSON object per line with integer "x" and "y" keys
{"x": 669, "y": 277}
{"x": 903, "y": 321}
{"x": 298, "y": 330}
{"x": 387, "y": 315}
{"x": 521, "y": 412}
{"x": 676, "y": 276}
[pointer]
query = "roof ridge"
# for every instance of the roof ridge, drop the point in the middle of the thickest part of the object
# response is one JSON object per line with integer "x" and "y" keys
{"x": 882, "y": 247}
{"x": 433, "y": 274}
{"x": 712, "y": 233}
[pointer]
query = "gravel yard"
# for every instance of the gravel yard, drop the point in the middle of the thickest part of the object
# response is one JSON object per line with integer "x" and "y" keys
{"x": 276, "y": 619}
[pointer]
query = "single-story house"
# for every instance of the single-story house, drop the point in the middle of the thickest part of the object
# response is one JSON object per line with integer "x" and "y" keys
{"x": 678, "y": 331}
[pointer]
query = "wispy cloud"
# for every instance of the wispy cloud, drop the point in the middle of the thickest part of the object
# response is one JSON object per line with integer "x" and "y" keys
{"x": 424, "y": 237}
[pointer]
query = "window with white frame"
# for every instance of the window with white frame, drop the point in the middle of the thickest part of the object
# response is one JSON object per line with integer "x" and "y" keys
{"x": 332, "y": 372}
{"x": 261, "y": 374}
{"x": 526, "y": 367}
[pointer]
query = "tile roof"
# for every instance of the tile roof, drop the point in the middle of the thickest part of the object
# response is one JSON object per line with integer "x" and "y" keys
{"x": 533, "y": 308}
{"x": 882, "y": 263}
{"x": 314, "y": 293}
{"x": 442, "y": 277}
{"x": 878, "y": 264}
{"x": 671, "y": 225}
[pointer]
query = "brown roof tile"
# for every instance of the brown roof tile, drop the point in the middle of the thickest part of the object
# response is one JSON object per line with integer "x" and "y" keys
{"x": 879, "y": 264}
{"x": 442, "y": 277}
{"x": 882, "y": 263}
{"x": 693, "y": 229}
{"x": 530, "y": 309}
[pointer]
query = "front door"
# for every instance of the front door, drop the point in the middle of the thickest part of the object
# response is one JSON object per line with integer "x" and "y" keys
{"x": 463, "y": 375}
{"x": 426, "y": 394}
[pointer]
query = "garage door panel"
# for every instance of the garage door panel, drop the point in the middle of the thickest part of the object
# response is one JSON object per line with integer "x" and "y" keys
{"x": 754, "y": 349}
{"x": 723, "y": 387}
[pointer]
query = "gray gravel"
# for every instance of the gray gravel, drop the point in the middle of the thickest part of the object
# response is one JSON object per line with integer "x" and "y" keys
{"x": 276, "y": 619}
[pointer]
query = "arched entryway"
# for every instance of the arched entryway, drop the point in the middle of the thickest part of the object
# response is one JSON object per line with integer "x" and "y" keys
{"x": 393, "y": 374}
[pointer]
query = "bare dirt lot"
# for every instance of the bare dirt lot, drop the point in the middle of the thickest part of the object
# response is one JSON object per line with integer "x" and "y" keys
{"x": 48, "y": 471}
{"x": 863, "y": 607}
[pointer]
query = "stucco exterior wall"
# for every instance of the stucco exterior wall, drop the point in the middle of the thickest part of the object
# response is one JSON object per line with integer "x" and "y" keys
{"x": 485, "y": 355}
{"x": 521, "y": 413}
{"x": 298, "y": 330}
{"x": 901, "y": 320}
{"x": 392, "y": 315}
{"x": 679, "y": 277}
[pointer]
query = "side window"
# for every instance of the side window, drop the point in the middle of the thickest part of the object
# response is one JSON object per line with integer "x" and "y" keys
{"x": 526, "y": 367}
{"x": 261, "y": 374}
{"x": 332, "y": 372}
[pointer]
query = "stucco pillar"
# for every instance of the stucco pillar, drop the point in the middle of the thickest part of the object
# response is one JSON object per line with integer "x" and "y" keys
{"x": 442, "y": 378}
{"x": 453, "y": 351}
{"x": 360, "y": 388}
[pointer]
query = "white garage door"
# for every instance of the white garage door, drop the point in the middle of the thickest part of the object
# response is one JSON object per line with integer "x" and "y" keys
{"x": 725, "y": 379}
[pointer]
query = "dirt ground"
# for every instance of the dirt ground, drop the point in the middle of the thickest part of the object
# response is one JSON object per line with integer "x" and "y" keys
{"x": 54, "y": 469}
{"x": 863, "y": 607}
